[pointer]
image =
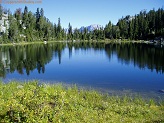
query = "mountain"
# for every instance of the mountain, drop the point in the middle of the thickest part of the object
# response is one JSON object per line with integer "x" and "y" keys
{"x": 91, "y": 27}
{"x": 94, "y": 27}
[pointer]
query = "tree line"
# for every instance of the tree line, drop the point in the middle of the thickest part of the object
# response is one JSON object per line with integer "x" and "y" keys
{"x": 142, "y": 26}
{"x": 27, "y": 26}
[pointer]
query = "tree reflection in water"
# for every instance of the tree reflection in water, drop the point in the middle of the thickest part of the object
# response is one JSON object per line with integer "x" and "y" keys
{"x": 30, "y": 57}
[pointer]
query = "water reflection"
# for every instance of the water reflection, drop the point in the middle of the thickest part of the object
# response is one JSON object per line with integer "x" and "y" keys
{"x": 141, "y": 55}
{"x": 29, "y": 57}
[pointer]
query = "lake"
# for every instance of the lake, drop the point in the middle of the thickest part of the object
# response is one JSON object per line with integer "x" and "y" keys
{"x": 114, "y": 68}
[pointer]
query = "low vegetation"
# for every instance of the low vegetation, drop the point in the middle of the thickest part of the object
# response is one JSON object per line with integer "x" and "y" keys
{"x": 33, "y": 102}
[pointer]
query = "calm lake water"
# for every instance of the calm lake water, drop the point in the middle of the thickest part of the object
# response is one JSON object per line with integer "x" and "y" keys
{"x": 126, "y": 68}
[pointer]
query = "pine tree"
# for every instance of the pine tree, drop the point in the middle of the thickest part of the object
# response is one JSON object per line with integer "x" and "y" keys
{"x": 115, "y": 32}
{"x": 151, "y": 21}
{"x": 37, "y": 18}
{"x": 41, "y": 12}
{"x": 108, "y": 29}
{"x": 37, "y": 15}
{"x": 1, "y": 11}
{"x": 76, "y": 34}
{"x": 122, "y": 27}
{"x": 131, "y": 28}
{"x": 70, "y": 34}
{"x": 25, "y": 18}
{"x": 136, "y": 28}
{"x": 59, "y": 29}
{"x": 55, "y": 31}
{"x": 13, "y": 30}
{"x": 32, "y": 25}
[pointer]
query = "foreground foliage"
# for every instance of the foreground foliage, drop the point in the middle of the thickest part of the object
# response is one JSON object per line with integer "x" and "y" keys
{"x": 33, "y": 102}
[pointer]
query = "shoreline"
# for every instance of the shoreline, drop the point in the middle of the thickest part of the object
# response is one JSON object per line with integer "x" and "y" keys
{"x": 157, "y": 95}
{"x": 105, "y": 41}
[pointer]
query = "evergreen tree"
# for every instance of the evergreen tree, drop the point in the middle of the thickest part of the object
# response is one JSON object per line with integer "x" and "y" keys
{"x": 37, "y": 15}
{"x": 70, "y": 33}
{"x": 40, "y": 28}
{"x": 123, "y": 28}
{"x": 1, "y": 11}
{"x": 136, "y": 28}
{"x": 25, "y": 18}
{"x": 59, "y": 29}
{"x": 131, "y": 28}
{"x": 37, "y": 18}
{"x": 31, "y": 27}
{"x": 64, "y": 35}
{"x": 18, "y": 14}
{"x": 13, "y": 30}
{"x": 41, "y": 12}
{"x": 108, "y": 30}
{"x": 151, "y": 21}
{"x": 89, "y": 36}
{"x": 115, "y": 32}
{"x": 76, "y": 34}
{"x": 55, "y": 31}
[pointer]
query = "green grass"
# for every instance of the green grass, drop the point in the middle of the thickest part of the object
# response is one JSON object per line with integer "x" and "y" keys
{"x": 43, "y": 103}
{"x": 53, "y": 41}
{"x": 26, "y": 43}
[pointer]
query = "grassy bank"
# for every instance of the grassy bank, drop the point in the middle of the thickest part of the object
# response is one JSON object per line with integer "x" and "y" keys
{"x": 32, "y": 102}
{"x": 105, "y": 41}
{"x": 26, "y": 43}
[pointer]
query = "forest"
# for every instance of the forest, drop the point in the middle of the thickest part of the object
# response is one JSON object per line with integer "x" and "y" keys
{"x": 31, "y": 27}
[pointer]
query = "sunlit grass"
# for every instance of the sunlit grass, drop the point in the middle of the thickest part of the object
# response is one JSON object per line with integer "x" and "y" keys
{"x": 33, "y": 102}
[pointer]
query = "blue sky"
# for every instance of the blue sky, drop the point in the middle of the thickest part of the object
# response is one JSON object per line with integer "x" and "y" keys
{"x": 86, "y": 12}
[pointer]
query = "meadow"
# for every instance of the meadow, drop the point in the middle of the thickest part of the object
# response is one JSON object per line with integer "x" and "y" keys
{"x": 43, "y": 103}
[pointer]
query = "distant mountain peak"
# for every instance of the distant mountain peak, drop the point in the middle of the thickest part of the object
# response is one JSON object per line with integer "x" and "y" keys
{"x": 91, "y": 27}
